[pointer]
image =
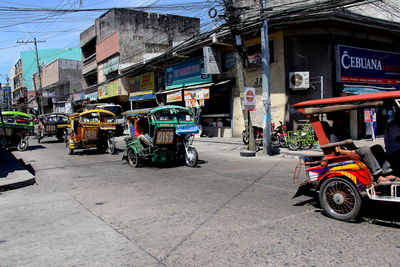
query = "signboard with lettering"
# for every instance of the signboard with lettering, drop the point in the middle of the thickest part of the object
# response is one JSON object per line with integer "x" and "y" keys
{"x": 187, "y": 73}
{"x": 144, "y": 82}
{"x": 108, "y": 90}
{"x": 358, "y": 65}
{"x": 174, "y": 96}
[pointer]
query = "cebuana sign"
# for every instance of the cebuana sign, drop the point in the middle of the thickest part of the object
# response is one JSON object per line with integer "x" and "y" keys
{"x": 358, "y": 65}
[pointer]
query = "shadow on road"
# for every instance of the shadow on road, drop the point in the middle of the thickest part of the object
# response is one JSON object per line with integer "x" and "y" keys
{"x": 35, "y": 147}
{"x": 376, "y": 212}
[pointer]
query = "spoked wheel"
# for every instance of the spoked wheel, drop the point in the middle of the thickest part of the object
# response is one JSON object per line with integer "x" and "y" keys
{"x": 133, "y": 158}
{"x": 340, "y": 199}
{"x": 111, "y": 145}
{"x": 294, "y": 144}
{"x": 22, "y": 145}
{"x": 191, "y": 157}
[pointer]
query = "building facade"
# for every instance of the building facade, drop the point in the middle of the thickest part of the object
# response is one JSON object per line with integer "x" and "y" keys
{"x": 21, "y": 73}
{"x": 61, "y": 79}
{"x": 122, "y": 38}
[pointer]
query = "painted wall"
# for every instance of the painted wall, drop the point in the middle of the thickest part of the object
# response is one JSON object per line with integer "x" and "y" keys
{"x": 45, "y": 56}
{"x": 253, "y": 79}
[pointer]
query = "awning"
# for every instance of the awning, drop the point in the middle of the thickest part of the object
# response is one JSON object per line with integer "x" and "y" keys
{"x": 366, "y": 89}
{"x": 142, "y": 97}
{"x": 186, "y": 87}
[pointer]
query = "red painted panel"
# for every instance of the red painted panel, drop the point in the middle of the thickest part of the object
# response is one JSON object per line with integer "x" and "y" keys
{"x": 107, "y": 47}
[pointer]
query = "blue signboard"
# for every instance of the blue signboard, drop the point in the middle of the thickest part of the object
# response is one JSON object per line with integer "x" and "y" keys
{"x": 358, "y": 65}
{"x": 187, "y": 73}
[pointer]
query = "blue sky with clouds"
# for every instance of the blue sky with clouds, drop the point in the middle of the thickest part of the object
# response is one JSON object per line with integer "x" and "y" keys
{"x": 59, "y": 31}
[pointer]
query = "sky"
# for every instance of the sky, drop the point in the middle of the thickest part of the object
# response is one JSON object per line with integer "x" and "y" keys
{"x": 62, "y": 31}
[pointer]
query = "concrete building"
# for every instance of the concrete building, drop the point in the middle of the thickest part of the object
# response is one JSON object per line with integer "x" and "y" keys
{"x": 22, "y": 72}
{"x": 121, "y": 38}
{"x": 5, "y": 97}
{"x": 61, "y": 79}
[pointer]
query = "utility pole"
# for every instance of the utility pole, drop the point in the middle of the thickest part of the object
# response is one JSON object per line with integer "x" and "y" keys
{"x": 266, "y": 93}
{"x": 233, "y": 19}
{"x": 39, "y": 98}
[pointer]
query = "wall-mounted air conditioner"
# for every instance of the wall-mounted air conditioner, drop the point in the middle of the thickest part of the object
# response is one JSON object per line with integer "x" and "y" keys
{"x": 299, "y": 80}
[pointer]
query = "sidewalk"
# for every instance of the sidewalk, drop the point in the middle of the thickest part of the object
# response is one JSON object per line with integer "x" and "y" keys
{"x": 13, "y": 174}
{"x": 284, "y": 151}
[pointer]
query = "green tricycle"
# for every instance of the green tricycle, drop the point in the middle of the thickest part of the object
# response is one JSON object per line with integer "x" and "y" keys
{"x": 161, "y": 135}
{"x": 15, "y": 131}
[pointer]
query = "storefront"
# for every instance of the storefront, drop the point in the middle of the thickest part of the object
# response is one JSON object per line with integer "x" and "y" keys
{"x": 187, "y": 85}
{"x": 364, "y": 71}
{"x": 141, "y": 91}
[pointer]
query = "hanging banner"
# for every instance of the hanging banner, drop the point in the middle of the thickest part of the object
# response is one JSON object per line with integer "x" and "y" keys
{"x": 108, "y": 90}
{"x": 197, "y": 94}
{"x": 249, "y": 101}
{"x": 144, "y": 82}
{"x": 174, "y": 96}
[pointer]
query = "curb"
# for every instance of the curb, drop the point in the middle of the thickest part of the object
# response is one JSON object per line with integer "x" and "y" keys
{"x": 24, "y": 177}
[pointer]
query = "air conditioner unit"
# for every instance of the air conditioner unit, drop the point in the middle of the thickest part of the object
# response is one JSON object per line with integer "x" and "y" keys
{"x": 299, "y": 80}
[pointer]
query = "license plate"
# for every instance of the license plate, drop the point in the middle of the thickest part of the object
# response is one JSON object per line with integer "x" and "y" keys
{"x": 50, "y": 128}
{"x": 165, "y": 137}
{"x": 90, "y": 133}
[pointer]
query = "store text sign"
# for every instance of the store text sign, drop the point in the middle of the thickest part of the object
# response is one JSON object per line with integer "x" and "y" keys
{"x": 144, "y": 82}
{"x": 357, "y": 65}
{"x": 187, "y": 73}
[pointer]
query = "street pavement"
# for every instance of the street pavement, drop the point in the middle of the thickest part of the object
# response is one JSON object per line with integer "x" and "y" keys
{"x": 90, "y": 209}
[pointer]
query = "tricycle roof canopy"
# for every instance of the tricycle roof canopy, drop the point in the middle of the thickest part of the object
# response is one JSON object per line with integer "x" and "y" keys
{"x": 345, "y": 102}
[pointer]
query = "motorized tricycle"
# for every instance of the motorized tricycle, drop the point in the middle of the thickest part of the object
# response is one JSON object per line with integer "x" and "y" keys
{"x": 91, "y": 129}
{"x": 16, "y": 130}
{"x": 342, "y": 180}
{"x": 161, "y": 135}
{"x": 53, "y": 124}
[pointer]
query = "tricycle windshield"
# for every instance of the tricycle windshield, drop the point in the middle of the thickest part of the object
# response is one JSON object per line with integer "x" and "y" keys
{"x": 184, "y": 116}
{"x": 90, "y": 117}
{"x": 105, "y": 117}
{"x": 164, "y": 115}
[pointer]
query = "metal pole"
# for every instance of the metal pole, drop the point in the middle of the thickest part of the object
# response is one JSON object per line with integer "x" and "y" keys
{"x": 322, "y": 87}
{"x": 40, "y": 78}
{"x": 266, "y": 94}
{"x": 2, "y": 121}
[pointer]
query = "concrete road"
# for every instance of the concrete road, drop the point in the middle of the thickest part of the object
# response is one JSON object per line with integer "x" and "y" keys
{"x": 89, "y": 209}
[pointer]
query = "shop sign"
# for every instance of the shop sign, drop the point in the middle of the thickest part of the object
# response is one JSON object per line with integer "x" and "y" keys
{"x": 197, "y": 94}
{"x": 108, "y": 90}
{"x": 187, "y": 73}
{"x": 92, "y": 96}
{"x": 79, "y": 96}
{"x": 174, "y": 96}
{"x": 144, "y": 82}
{"x": 212, "y": 60}
{"x": 359, "y": 65}
{"x": 249, "y": 102}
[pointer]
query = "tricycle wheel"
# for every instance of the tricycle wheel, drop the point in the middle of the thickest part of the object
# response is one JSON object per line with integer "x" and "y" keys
{"x": 69, "y": 149}
{"x": 340, "y": 199}
{"x": 22, "y": 145}
{"x": 294, "y": 144}
{"x": 111, "y": 145}
{"x": 133, "y": 158}
{"x": 191, "y": 157}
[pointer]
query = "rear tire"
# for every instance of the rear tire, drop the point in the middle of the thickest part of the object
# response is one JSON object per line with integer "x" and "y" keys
{"x": 22, "y": 145}
{"x": 133, "y": 158}
{"x": 111, "y": 145}
{"x": 340, "y": 199}
{"x": 191, "y": 157}
{"x": 69, "y": 149}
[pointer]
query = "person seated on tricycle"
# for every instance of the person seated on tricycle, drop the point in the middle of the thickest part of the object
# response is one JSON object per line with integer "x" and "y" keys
{"x": 374, "y": 157}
